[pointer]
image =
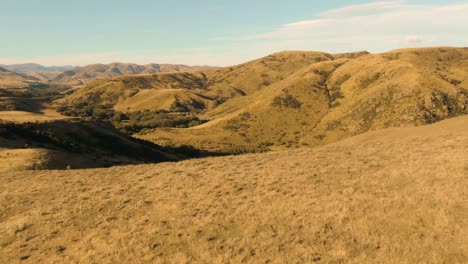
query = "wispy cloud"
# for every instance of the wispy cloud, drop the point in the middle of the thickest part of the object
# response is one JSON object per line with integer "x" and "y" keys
{"x": 366, "y": 9}
{"x": 376, "y": 26}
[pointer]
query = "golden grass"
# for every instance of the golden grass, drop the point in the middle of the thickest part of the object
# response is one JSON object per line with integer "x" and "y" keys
{"x": 23, "y": 116}
{"x": 20, "y": 159}
{"x": 390, "y": 196}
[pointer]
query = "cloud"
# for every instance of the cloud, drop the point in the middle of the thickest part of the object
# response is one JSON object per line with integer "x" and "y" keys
{"x": 377, "y": 27}
{"x": 415, "y": 39}
{"x": 366, "y": 9}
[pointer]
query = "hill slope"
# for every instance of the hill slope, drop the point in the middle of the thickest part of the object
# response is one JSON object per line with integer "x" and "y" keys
{"x": 335, "y": 99}
{"x": 189, "y": 94}
{"x": 215, "y": 85}
{"x": 389, "y": 196}
{"x": 9, "y": 79}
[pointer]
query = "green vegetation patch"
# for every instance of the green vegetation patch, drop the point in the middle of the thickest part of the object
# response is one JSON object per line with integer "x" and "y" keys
{"x": 133, "y": 122}
{"x": 287, "y": 101}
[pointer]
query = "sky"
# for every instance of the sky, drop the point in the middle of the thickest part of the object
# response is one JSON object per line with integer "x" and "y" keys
{"x": 218, "y": 32}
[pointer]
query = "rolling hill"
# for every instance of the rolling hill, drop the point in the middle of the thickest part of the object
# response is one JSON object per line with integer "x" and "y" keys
{"x": 293, "y": 98}
{"x": 389, "y": 196}
{"x": 9, "y": 79}
{"x": 160, "y": 91}
{"x": 332, "y": 100}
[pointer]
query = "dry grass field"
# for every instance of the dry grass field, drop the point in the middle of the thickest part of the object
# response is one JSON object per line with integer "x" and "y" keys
{"x": 23, "y": 116}
{"x": 389, "y": 196}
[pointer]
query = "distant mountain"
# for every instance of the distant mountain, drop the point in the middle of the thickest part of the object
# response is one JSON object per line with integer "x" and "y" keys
{"x": 42, "y": 73}
{"x": 27, "y": 68}
{"x": 86, "y": 74}
{"x": 70, "y": 75}
{"x": 9, "y": 79}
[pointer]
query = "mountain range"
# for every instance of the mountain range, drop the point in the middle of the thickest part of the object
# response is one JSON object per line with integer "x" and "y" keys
{"x": 40, "y": 72}
{"x": 72, "y": 76}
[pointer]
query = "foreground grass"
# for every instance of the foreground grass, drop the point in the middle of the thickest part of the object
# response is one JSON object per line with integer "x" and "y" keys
{"x": 391, "y": 196}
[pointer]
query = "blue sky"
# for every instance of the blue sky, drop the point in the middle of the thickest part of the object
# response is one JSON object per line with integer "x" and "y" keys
{"x": 57, "y": 32}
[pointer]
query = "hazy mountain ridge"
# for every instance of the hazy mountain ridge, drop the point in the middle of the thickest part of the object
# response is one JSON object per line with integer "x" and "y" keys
{"x": 27, "y": 68}
{"x": 79, "y": 75}
{"x": 40, "y": 72}
{"x": 86, "y": 74}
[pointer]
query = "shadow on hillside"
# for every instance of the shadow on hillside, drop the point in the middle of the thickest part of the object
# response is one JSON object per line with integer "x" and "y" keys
{"x": 89, "y": 144}
{"x": 33, "y": 99}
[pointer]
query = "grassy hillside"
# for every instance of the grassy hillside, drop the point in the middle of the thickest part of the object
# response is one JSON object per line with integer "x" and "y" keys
{"x": 216, "y": 86}
{"x": 187, "y": 95}
{"x": 389, "y": 196}
{"x": 334, "y": 99}
{"x": 287, "y": 99}
{"x": 86, "y": 74}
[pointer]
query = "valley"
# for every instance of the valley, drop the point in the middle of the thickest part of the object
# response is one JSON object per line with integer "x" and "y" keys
{"x": 286, "y": 100}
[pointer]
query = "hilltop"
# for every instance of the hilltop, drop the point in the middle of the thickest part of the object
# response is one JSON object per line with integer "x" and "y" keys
{"x": 388, "y": 196}
{"x": 287, "y": 99}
